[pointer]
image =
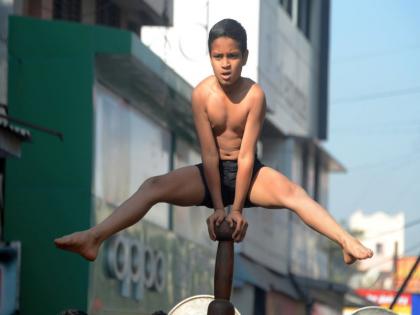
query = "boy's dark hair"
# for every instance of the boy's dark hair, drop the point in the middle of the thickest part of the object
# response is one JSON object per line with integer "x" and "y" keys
{"x": 228, "y": 28}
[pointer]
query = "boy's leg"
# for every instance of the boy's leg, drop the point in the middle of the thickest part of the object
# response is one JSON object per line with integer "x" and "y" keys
{"x": 182, "y": 187}
{"x": 271, "y": 189}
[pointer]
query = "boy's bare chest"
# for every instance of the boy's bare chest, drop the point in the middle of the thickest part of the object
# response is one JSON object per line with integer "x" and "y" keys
{"x": 224, "y": 115}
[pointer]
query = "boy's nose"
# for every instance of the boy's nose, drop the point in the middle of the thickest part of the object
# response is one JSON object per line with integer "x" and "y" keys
{"x": 225, "y": 64}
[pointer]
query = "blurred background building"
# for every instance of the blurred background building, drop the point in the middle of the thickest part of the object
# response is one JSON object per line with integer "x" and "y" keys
{"x": 385, "y": 235}
{"x": 378, "y": 279}
{"x": 115, "y": 78}
{"x": 283, "y": 264}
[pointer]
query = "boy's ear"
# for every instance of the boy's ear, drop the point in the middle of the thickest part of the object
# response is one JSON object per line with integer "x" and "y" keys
{"x": 245, "y": 57}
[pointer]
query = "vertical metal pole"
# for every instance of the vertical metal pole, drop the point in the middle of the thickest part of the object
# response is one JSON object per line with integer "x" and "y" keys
{"x": 395, "y": 265}
{"x": 171, "y": 168}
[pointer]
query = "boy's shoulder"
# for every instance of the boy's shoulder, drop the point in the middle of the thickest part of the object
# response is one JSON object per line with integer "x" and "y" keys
{"x": 202, "y": 89}
{"x": 253, "y": 90}
{"x": 205, "y": 83}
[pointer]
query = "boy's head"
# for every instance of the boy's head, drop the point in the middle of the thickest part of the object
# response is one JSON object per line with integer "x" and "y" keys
{"x": 228, "y": 28}
{"x": 228, "y": 51}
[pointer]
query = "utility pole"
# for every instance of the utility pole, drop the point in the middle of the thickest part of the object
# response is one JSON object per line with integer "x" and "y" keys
{"x": 406, "y": 280}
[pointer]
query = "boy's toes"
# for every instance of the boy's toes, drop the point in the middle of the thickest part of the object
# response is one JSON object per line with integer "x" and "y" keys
{"x": 61, "y": 241}
{"x": 348, "y": 259}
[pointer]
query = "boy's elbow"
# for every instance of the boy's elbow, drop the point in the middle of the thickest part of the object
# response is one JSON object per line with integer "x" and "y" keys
{"x": 246, "y": 158}
{"x": 210, "y": 156}
{"x": 247, "y": 153}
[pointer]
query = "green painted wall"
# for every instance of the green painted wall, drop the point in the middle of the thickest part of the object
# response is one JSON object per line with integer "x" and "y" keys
{"x": 48, "y": 190}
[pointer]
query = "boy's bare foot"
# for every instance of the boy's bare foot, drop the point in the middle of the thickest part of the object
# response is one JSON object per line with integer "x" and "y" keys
{"x": 354, "y": 250}
{"x": 84, "y": 243}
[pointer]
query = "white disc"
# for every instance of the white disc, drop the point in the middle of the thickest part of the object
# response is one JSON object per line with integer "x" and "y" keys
{"x": 195, "y": 305}
{"x": 373, "y": 310}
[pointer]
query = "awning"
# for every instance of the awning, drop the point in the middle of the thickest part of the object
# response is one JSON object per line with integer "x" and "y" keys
{"x": 149, "y": 12}
{"x": 11, "y": 138}
{"x": 149, "y": 84}
{"x": 247, "y": 271}
{"x": 316, "y": 290}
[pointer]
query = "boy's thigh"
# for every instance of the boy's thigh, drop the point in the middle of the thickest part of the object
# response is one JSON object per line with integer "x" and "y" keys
{"x": 182, "y": 187}
{"x": 268, "y": 187}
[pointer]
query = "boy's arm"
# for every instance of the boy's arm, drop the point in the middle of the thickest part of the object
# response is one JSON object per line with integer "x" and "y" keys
{"x": 247, "y": 151}
{"x": 209, "y": 153}
{"x": 246, "y": 156}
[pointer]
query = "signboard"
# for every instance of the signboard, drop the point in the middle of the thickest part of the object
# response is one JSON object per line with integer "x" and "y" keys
{"x": 146, "y": 268}
{"x": 384, "y": 299}
{"x": 404, "y": 266}
{"x": 135, "y": 265}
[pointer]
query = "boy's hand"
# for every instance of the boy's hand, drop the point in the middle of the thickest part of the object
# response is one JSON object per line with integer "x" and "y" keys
{"x": 215, "y": 219}
{"x": 235, "y": 216}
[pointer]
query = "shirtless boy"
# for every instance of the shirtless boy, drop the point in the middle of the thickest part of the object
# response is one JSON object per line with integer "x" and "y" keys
{"x": 228, "y": 112}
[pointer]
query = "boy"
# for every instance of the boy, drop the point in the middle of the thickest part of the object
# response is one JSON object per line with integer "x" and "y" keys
{"x": 228, "y": 112}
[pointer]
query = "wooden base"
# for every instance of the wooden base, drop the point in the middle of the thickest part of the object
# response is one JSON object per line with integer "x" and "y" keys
{"x": 220, "y": 307}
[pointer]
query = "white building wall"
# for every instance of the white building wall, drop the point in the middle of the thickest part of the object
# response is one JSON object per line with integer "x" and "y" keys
{"x": 123, "y": 160}
{"x": 184, "y": 46}
{"x": 288, "y": 68}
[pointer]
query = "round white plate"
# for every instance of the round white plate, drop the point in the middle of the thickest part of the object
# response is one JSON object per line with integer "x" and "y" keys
{"x": 373, "y": 310}
{"x": 195, "y": 305}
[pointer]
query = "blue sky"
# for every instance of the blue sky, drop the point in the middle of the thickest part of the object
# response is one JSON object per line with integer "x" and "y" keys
{"x": 374, "y": 114}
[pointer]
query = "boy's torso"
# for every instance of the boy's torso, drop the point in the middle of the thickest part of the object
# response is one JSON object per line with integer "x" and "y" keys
{"x": 228, "y": 114}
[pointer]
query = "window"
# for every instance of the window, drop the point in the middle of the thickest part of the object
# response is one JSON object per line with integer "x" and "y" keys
{"x": 304, "y": 13}
{"x": 379, "y": 248}
{"x": 287, "y": 5}
{"x": 67, "y": 10}
{"x": 318, "y": 182}
{"x": 107, "y": 13}
{"x": 259, "y": 301}
{"x": 305, "y": 166}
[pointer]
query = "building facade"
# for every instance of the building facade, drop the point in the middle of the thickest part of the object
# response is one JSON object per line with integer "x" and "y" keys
{"x": 288, "y": 57}
{"x": 384, "y": 234}
{"x": 121, "y": 99}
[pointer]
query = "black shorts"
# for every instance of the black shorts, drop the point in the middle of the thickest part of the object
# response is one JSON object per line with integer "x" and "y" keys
{"x": 227, "y": 171}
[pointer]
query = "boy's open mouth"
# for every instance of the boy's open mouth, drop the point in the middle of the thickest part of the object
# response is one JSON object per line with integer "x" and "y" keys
{"x": 225, "y": 75}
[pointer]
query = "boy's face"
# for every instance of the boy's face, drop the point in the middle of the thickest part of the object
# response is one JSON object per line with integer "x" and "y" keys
{"x": 227, "y": 60}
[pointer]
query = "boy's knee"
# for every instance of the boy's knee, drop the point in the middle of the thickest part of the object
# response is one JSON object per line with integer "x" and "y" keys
{"x": 292, "y": 194}
{"x": 152, "y": 182}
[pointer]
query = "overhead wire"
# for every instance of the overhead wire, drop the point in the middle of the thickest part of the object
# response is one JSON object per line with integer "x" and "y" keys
{"x": 405, "y": 226}
{"x": 391, "y": 258}
{"x": 370, "y": 55}
{"x": 377, "y": 95}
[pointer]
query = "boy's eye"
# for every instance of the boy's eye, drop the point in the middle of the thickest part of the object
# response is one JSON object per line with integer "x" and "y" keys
{"x": 217, "y": 56}
{"x": 233, "y": 55}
